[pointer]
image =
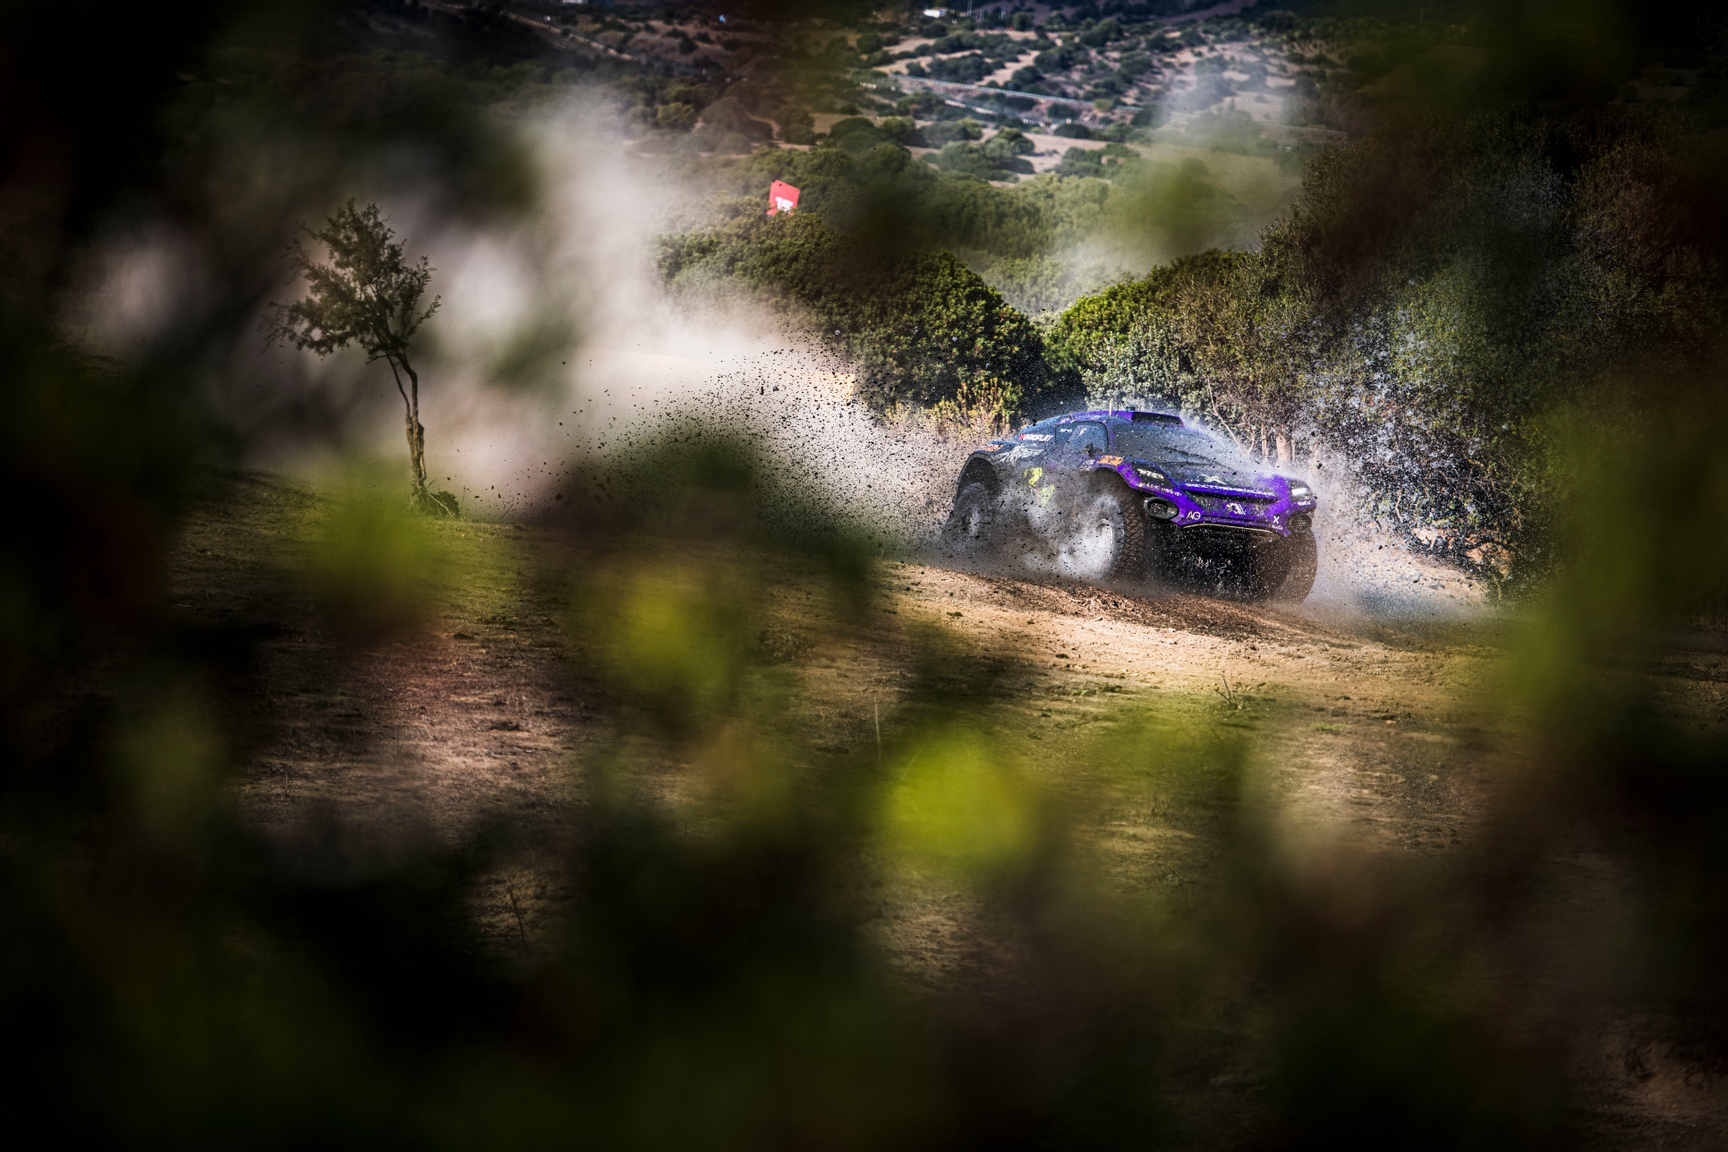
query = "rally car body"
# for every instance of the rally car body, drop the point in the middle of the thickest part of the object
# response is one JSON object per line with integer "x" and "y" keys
{"x": 1127, "y": 494}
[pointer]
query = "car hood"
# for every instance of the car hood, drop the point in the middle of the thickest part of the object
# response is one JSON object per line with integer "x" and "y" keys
{"x": 1223, "y": 480}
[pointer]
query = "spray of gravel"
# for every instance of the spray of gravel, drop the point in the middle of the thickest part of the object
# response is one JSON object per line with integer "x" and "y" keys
{"x": 557, "y": 351}
{"x": 642, "y": 365}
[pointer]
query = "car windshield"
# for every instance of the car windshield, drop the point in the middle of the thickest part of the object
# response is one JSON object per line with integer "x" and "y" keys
{"x": 1172, "y": 445}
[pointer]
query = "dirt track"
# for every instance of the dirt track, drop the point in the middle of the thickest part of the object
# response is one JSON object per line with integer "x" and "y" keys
{"x": 1362, "y": 734}
{"x": 474, "y": 717}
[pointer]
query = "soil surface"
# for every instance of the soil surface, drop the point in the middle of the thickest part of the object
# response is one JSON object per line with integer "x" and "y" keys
{"x": 1370, "y": 736}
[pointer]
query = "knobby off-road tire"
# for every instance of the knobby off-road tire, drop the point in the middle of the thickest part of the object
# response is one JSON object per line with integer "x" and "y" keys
{"x": 972, "y": 530}
{"x": 1284, "y": 571}
{"x": 1304, "y": 561}
{"x": 1110, "y": 537}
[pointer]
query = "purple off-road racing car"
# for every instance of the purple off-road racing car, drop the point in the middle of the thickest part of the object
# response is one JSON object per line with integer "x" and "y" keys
{"x": 1124, "y": 495}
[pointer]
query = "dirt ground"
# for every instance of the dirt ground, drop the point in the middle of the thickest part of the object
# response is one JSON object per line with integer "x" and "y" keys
{"x": 1367, "y": 735}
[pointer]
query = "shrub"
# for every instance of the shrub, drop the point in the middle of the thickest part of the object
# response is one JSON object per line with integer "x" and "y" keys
{"x": 964, "y": 156}
{"x": 675, "y": 116}
{"x": 949, "y": 131}
{"x": 1009, "y": 142}
{"x": 1102, "y": 33}
{"x": 968, "y": 69}
{"x": 901, "y": 130}
{"x": 1080, "y": 162}
{"x": 797, "y": 126}
{"x": 924, "y": 329}
{"x": 729, "y": 115}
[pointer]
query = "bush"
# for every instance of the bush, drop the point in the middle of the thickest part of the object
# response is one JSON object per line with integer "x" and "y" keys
{"x": 922, "y": 104}
{"x": 966, "y": 157}
{"x": 924, "y": 329}
{"x": 968, "y": 69}
{"x": 1074, "y": 130}
{"x": 677, "y": 117}
{"x": 797, "y": 126}
{"x": 901, "y": 130}
{"x": 948, "y": 131}
{"x": 1007, "y": 143}
{"x": 749, "y": 93}
{"x": 1102, "y": 33}
{"x": 729, "y": 115}
{"x": 1080, "y": 162}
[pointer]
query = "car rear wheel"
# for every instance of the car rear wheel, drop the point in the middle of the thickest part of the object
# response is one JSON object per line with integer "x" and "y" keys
{"x": 971, "y": 528}
{"x": 1109, "y": 539}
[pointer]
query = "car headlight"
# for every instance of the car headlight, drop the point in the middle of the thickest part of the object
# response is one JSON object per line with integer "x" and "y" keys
{"x": 1152, "y": 476}
{"x": 1300, "y": 491}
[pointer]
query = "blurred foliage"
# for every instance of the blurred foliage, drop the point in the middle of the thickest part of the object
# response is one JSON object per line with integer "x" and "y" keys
{"x": 1444, "y": 288}
{"x": 957, "y": 807}
{"x": 724, "y": 972}
{"x": 372, "y": 569}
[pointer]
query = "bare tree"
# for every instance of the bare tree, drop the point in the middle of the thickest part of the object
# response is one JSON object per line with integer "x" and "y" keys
{"x": 364, "y": 292}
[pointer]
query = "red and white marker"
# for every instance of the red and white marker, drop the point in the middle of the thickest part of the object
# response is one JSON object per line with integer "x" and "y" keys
{"x": 782, "y": 197}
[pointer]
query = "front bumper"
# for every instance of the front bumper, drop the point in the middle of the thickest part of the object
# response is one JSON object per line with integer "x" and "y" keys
{"x": 1272, "y": 512}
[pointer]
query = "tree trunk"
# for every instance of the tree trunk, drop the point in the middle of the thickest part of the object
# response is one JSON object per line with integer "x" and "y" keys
{"x": 419, "y": 498}
{"x": 416, "y": 437}
{"x": 1286, "y": 452}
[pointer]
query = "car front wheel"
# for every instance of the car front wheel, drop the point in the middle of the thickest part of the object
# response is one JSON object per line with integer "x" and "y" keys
{"x": 1109, "y": 539}
{"x": 1284, "y": 571}
{"x": 1304, "y": 565}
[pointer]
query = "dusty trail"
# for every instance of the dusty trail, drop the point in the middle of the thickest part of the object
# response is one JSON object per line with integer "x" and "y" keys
{"x": 1365, "y": 735}
{"x": 1356, "y": 725}
{"x": 481, "y": 716}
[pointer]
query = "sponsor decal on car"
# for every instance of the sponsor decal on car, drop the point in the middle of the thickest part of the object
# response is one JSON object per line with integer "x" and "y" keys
{"x": 1037, "y": 437}
{"x": 1112, "y": 461}
{"x": 1033, "y": 477}
{"x": 1236, "y": 509}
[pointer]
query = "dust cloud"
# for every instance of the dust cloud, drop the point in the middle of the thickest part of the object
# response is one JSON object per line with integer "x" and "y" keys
{"x": 557, "y": 354}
